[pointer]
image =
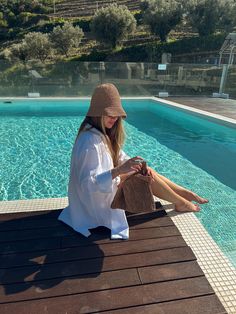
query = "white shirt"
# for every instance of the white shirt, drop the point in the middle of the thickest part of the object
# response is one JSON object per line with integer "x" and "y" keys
{"x": 91, "y": 188}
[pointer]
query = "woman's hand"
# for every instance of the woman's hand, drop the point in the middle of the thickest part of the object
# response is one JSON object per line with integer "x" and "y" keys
{"x": 131, "y": 166}
{"x": 151, "y": 174}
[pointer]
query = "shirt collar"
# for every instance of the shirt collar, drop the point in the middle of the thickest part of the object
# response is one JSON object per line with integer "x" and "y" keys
{"x": 89, "y": 127}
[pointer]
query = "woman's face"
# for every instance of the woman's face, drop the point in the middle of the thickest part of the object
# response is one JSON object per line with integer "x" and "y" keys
{"x": 109, "y": 121}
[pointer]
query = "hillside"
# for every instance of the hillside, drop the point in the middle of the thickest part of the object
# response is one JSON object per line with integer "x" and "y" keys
{"x": 141, "y": 45}
{"x": 82, "y": 8}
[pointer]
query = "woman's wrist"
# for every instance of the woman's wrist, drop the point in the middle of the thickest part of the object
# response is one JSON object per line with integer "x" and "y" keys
{"x": 115, "y": 172}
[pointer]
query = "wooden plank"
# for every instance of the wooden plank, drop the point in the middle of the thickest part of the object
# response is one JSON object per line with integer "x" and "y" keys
{"x": 97, "y": 281}
{"x": 41, "y": 214}
{"x": 50, "y": 220}
{"x": 41, "y": 257}
{"x": 63, "y": 230}
{"x": 208, "y": 304}
{"x": 23, "y": 235}
{"x": 53, "y": 243}
{"x": 169, "y": 272}
{"x": 70, "y": 285}
{"x": 29, "y": 224}
{"x": 152, "y": 215}
{"x": 67, "y": 233}
{"x": 115, "y": 298}
{"x": 52, "y": 214}
{"x": 96, "y": 265}
{"x": 134, "y": 235}
{"x": 29, "y": 246}
{"x": 93, "y": 251}
{"x": 150, "y": 223}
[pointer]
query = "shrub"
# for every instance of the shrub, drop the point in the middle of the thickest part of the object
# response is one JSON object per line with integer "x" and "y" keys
{"x": 28, "y": 19}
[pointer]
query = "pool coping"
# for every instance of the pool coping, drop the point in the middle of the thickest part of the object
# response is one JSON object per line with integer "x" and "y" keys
{"x": 211, "y": 116}
{"x": 217, "y": 268}
{"x": 201, "y": 113}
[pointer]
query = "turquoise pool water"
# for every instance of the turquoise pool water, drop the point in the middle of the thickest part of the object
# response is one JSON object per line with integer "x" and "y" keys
{"x": 37, "y": 138}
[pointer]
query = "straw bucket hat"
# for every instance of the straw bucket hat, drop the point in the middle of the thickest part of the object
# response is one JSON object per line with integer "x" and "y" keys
{"x": 106, "y": 101}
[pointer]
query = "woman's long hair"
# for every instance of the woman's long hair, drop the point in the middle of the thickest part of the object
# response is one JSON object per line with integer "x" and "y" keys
{"x": 114, "y": 137}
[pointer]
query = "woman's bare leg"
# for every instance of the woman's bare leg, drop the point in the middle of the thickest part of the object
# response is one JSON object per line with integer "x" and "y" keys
{"x": 187, "y": 194}
{"x": 161, "y": 189}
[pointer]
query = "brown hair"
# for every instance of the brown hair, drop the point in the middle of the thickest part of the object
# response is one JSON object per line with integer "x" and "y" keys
{"x": 114, "y": 137}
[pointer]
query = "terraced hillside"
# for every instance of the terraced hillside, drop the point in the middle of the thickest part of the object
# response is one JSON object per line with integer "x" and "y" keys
{"x": 79, "y": 8}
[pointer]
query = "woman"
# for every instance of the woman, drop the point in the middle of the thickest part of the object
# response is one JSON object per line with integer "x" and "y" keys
{"x": 98, "y": 165}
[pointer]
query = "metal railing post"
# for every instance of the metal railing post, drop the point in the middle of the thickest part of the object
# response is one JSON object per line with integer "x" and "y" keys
{"x": 223, "y": 78}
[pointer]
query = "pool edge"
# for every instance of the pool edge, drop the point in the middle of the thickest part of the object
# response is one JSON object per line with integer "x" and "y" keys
{"x": 211, "y": 116}
{"x": 199, "y": 112}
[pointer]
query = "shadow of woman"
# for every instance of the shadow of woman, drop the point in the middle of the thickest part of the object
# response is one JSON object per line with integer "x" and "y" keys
{"x": 38, "y": 253}
{"x": 42, "y": 257}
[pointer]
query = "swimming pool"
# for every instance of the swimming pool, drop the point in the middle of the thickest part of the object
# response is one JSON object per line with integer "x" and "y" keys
{"x": 37, "y": 137}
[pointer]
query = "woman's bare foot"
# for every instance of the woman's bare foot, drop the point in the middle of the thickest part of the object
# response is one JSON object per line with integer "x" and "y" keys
{"x": 187, "y": 206}
{"x": 191, "y": 196}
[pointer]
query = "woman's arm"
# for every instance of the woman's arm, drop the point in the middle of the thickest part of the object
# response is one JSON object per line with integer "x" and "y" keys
{"x": 91, "y": 173}
{"x": 123, "y": 157}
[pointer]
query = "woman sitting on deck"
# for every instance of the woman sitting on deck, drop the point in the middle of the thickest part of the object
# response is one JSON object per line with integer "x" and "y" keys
{"x": 98, "y": 165}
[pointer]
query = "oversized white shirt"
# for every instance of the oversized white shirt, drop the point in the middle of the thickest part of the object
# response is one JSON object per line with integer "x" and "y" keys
{"x": 91, "y": 188}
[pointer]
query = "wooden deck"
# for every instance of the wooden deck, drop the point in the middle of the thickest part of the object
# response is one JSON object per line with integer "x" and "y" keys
{"x": 46, "y": 267}
{"x": 224, "y": 107}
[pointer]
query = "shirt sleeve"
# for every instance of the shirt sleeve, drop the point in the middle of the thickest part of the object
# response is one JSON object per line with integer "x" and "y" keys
{"x": 92, "y": 175}
{"x": 123, "y": 157}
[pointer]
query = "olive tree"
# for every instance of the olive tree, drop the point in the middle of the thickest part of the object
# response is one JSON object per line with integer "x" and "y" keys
{"x": 66, "y": 37}
{"x": 37, "y": 45}
{"x": 207, "y": 16}
{"x": 112, "y": 24}
{"x": 17, "y": 52}
{"x": 227, "y": 19}
{"x": 12, "y": 9}
{"x": 161, "y": 16}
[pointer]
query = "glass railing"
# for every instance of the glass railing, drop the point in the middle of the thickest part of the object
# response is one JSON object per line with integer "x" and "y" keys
{"x": 74, "y": 79}
{"x": 230, "y": 84}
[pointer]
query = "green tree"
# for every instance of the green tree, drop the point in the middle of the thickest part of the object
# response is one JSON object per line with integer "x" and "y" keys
{"x": 17, "y": 52}
{"x": 12, "y": 9}
{"x": 227, "y": 19}
{"x": 19, "y": 6}
{"x": 66, "y": 37}
{"x": 162, "y": 16}
{"x": 209, "y": 15}
{"x": 112, "y": 24}
{"x": 37, "y": 45}
{"x": 3, "y": 22}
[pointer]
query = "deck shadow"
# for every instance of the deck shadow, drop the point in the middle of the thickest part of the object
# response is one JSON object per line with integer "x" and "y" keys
{"x": 40, "y": 251}
{"x": 32, "y": 246}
